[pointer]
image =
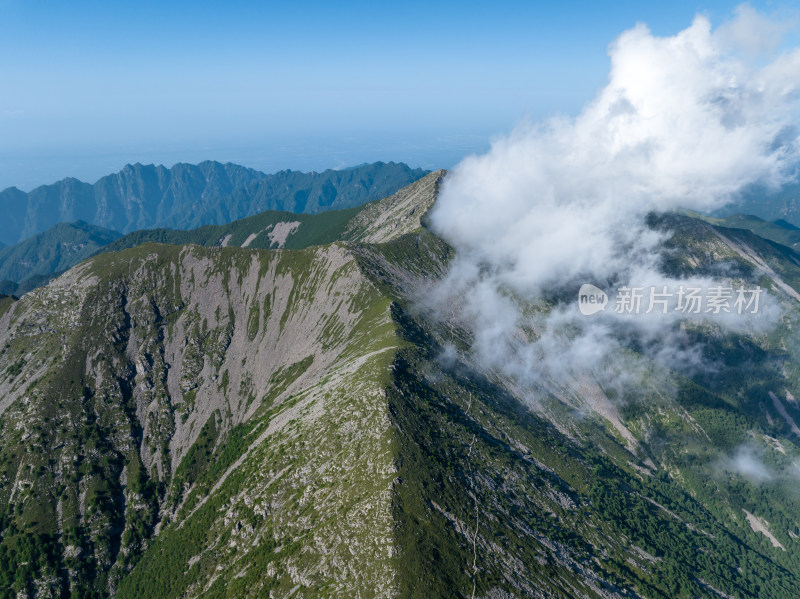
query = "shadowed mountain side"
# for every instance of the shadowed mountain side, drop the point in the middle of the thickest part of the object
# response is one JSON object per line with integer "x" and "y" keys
{"x": 57, "y": 249}
{"x": 187, "y": 196}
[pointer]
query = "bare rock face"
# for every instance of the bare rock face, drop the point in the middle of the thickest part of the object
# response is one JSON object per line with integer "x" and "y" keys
{"x": 398, "y": 214}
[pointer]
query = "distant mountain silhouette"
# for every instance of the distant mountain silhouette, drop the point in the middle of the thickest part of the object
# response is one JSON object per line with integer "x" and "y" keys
{"x": 186, "y": 196}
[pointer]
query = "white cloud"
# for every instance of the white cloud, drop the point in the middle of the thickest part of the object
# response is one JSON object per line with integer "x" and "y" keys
{"x": 684, "y": 122}
{"x": 747, "y": 462}
{"x": 753, "y": 32}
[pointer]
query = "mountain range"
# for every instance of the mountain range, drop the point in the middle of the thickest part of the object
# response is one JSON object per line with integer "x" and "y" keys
{"x": 188, "y": 196}
{"x": 33, "y": 262}
{"x": 262, "y": 409}
{"x": 768, "y": 204}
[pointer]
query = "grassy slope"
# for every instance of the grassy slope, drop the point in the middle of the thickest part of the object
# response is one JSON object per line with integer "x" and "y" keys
{"x": 778, "y": 231}
{"x": 55, "y": 250}
{"x": 554, "y": 513}
{"x": 314, "y": 230}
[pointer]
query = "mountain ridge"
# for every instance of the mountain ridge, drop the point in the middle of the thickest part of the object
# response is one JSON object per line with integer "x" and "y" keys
{"x": 55, "y": 250}
{"x": 179, "y": 421}
{"x": 767, "y": 204}
{"x": 186, "y": 196}
{"x": 269, "y": 229}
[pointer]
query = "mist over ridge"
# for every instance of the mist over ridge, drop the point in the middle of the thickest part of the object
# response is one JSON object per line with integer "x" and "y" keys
{"x": 687, "y": 121}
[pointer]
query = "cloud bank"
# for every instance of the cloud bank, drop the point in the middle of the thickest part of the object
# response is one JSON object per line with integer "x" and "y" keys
{"x": 684, "y": 122}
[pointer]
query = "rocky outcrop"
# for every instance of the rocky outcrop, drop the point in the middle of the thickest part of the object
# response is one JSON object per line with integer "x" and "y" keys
{"x": 398, "y": 214}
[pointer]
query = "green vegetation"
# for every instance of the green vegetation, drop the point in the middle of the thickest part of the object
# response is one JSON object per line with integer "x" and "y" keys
{"x": 313, "y": 230}
{"x": 53, "y": 251}
{"x": 228, "y": 422}
{"x": 779, "y": 231}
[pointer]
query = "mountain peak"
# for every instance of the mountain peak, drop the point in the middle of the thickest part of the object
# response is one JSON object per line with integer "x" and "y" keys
{"x": 397, "y": 214}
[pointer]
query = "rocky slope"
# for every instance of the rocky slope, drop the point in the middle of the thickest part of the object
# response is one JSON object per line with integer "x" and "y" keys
{"x": 185, "y": 421}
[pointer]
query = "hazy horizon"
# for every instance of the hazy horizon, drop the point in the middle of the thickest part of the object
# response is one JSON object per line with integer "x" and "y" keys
{"x": 28, "y": 172}
{"x": 89, "y": 87}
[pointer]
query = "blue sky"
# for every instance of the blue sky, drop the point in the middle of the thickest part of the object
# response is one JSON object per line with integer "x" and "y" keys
{"x": 87, "y": 86}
